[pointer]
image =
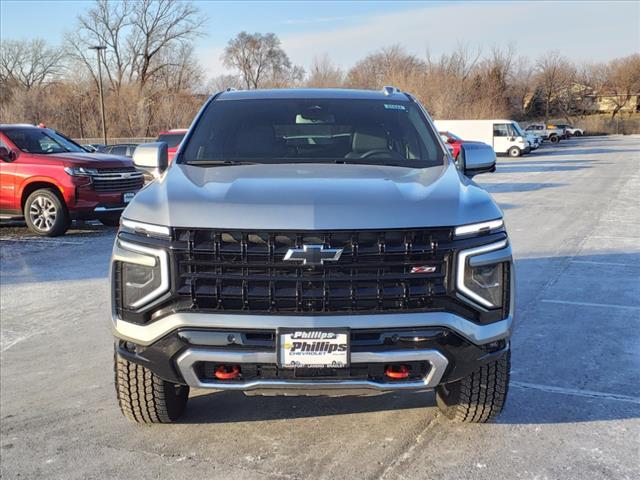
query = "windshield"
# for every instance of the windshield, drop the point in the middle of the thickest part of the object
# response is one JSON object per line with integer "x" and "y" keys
{"x": 171, "y": 139}
{"x": 518, "y": 130}
{"x": 35, "y": 140}
{"x": 313, "y": 130}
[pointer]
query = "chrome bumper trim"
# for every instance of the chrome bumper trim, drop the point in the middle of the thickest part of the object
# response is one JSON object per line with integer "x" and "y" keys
{"x": 108, "y": 209}
{"x": 147, "y": 334}
{"x": 190, "y": 357}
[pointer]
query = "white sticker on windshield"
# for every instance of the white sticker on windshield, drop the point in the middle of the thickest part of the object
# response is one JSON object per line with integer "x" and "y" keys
{"x": 394, "y": 106}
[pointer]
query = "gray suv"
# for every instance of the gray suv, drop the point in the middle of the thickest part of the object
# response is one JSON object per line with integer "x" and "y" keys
{"x": 312, "y": 242}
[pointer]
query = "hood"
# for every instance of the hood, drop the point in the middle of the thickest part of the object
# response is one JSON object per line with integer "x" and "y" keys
{"x": 92, "y": 160}
{"x": 311, "y": 197}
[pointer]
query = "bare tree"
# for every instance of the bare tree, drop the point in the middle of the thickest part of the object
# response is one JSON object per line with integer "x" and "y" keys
{"x": 555, "y": 77}
{"x": 222, "y": 82}
{"x": 324, "y": 74}
{"x": 260, "y": 60}
{"x": 181, "y": 71}
{"x": 28, "y": 64}
{"x": 106, "y": 23}
{"x": 136, "y": 35}
{"x": 158, "y": 25}
{"x": 392, "y": 65}
{"x": 623, "y": 82}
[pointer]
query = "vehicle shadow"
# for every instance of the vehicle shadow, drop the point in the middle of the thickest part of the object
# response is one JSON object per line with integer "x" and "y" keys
{"x": 81, "y": 254}
{"x": 518, "y": 187}
{"x": 550, "y": 381}
{"x": 569, "y": 150}
{"x": 539, "y": 168}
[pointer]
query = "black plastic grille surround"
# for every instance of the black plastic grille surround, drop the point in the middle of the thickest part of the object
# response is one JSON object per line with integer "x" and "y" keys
{"x": 243, "y": 271}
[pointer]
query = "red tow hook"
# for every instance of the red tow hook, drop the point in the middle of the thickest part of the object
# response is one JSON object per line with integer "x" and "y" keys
{"x": 224, "y": 372}
{"x": 397, "y": 372}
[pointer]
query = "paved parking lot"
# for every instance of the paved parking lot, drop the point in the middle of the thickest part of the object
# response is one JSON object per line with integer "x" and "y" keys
{"x": 573, "y": 213}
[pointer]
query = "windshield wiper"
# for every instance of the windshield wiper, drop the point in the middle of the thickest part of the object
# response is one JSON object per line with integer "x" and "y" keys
{"x": 214, "y": 163}
{"x": 380, "y": 162}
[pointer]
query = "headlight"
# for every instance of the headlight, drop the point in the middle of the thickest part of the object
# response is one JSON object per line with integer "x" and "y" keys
{"x": 483, "y": 284}
{"x": 141, "y": 228}
{"x": 478, "y": 228}
{"x": 80, "y": 171}
{"x": 138, "y": 281}
{"x": 144, "y": 273}
{"x": 486, "y": 282}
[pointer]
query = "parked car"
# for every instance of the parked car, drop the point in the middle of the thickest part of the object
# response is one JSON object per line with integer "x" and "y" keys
{"x": 48, "y": 180}
{"x": 327, "y": 245}
{"x": 172, "y": 138}
{"x": 453, "y": 141}
{"x": 122, "y": 149}
{"x": 502, "y": 135}
{"x": 534, "y": 141}
{"x": 546, "y": 132}
{"x": 89, "y": 148}
{"x": 571, "y": 130}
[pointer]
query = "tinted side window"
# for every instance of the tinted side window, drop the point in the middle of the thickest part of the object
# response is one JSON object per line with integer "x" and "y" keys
{"x": 119, "y": 150}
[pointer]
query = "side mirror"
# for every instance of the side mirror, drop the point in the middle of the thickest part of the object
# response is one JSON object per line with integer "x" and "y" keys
{"x": 6, "y": 155}
{"x": 151, "y": 158}
{"x": 476, "y": 158}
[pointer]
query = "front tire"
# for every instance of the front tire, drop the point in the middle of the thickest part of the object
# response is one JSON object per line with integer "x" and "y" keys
{"x": 143, "y": 397}
{"x": 554, "y": 138}
{"x": 514, "y": 152}
{"x": 478, "y": 398}
{"x": 46, "y": 214}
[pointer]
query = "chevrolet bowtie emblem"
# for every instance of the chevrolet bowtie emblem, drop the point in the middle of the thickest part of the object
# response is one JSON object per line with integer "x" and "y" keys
{"x": 313, "y": 254}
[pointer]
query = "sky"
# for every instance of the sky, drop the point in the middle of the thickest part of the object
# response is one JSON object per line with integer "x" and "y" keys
{"x": 349, "y": 30}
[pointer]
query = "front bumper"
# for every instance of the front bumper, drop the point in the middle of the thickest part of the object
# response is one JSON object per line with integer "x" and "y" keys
{"x": 181, "y": 348}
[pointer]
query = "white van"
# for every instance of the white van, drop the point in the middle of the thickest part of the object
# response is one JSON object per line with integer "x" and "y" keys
{"x": 505, "y": 136}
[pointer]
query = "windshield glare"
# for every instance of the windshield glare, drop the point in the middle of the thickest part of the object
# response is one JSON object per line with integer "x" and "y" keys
{"x": 321, "y": 131}
{"x": 33, "y": 140}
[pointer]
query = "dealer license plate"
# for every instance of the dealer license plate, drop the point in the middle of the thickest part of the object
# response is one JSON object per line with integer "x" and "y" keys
{"x": 127, "y": 197}
{"x": 313, "y": 348}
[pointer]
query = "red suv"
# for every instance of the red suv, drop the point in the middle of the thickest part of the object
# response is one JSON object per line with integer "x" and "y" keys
{"x": 172, "y": 138}
{"x": 450, "y": 139}
{"x": 48, "y": 180}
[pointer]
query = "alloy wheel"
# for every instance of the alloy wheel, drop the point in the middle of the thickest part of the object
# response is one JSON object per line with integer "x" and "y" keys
{"x": 43, "y": 213}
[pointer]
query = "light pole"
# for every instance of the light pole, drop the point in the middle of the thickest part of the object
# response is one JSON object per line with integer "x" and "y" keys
{"x": 97, "y": 48}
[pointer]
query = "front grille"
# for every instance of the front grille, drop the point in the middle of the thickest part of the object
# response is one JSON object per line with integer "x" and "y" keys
{"x": 125, "y": 179}
{"x": 245, "y": 271}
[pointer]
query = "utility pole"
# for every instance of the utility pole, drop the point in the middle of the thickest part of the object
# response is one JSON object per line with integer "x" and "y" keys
{"x": 97, "y": 48}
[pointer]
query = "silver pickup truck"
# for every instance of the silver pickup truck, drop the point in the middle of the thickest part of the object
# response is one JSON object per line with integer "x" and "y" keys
{"x": 546, "y": 132}
{"x": 312, "y": 242}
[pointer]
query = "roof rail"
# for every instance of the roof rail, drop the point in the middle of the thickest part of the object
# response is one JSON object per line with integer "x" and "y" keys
{"x": 390, "y": 90}
{"x": 230, "y": 89}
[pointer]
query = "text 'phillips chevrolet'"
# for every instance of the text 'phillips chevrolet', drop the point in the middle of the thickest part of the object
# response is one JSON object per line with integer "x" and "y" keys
{"x": 313, "y": 242}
